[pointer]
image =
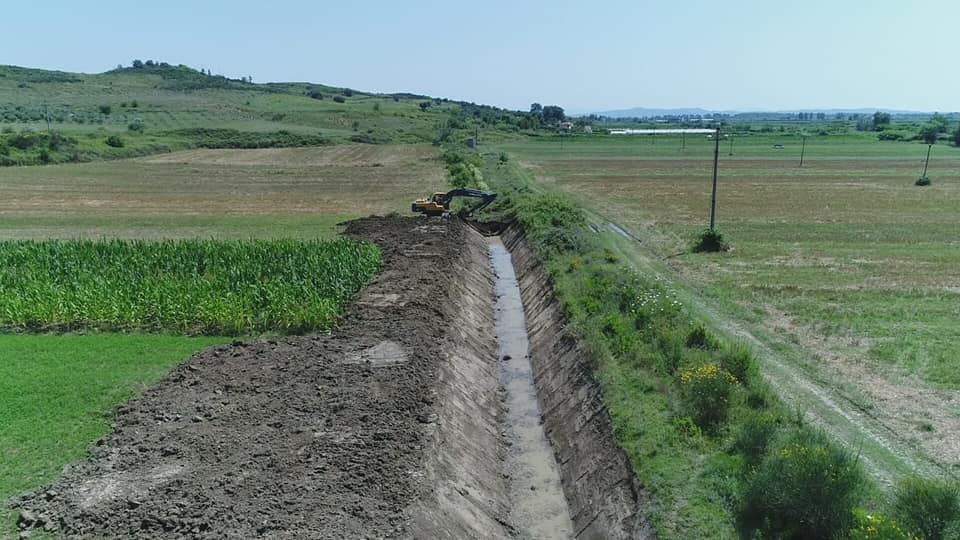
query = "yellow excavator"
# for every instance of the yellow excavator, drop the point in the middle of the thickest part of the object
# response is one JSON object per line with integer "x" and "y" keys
{"x": 438, "y": 204}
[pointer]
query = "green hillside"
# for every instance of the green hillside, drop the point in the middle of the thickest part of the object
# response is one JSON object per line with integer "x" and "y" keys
{"x": 53, "y": 116}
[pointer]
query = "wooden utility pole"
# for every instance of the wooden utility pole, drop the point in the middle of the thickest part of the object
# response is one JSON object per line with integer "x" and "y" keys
{"x": 731, "y": 143}
{"x": 803, "y": 148}
{"x": 716, "y": 164}
{"x": 927, "y": 162}
{"x": 683, "y": 146}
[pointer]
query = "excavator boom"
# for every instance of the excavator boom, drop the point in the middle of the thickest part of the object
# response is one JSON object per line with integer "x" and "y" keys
{"x": 439, "y": 203}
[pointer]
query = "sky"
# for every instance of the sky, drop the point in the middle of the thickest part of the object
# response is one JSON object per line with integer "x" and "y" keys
{"x": 585, "y": 56}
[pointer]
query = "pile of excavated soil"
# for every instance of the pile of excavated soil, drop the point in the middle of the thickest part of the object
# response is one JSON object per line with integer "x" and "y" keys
{"x": 331, "y": 436}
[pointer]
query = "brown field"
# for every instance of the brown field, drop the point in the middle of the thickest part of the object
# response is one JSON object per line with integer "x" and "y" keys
{"x": 266, "y": 192}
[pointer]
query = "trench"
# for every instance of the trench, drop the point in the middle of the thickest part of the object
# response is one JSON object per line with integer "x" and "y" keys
{"x": 537, "y": 507}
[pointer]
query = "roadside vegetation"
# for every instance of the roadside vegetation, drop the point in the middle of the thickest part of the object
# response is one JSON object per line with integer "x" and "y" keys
{"x": 718, "y": 452}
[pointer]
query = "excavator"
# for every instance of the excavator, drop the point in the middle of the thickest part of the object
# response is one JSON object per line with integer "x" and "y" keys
{"x": 439, "y": 203}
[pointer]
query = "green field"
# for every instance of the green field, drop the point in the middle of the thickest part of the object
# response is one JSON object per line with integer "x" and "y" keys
{"x": 57, "y": 391}
{"x": 843, "y": 272}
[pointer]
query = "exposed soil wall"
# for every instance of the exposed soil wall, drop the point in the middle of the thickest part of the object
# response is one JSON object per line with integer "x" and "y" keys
{"x": 605, "y": 498}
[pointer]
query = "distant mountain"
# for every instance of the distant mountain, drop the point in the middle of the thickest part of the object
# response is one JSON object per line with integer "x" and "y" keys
{"x": 642, "y": 112}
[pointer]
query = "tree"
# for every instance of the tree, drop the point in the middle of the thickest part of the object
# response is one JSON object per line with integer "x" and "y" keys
{"x": 956, "y": 136}
{"x": 536, "y": 108}
{"x": 929, "y": 133}
{"x": 880, "y": 119}
{"x": 137, "y": 64}
{"x": 938, "y": 121}
{"x": 553, "y": 113}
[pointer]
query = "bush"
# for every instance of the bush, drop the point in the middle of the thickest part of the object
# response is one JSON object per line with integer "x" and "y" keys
{"x": 22, "y": 141}
{"x": 315, "y": 95}
{"x": 710, "y": 240}
{"x": 114, "y": 141}
{"x": 706, "y": 391}
{"x": 135, "y": 126}
{"x": 339, "y": 99}
{"x": 700, "y": 338}
{"x": 739, "y": 361}
{"x": 926, "y": 507}
{"x": 105, "y": 109}
{"x": 754, "y": 435}
{"x": 804, "y": 488}
{"x": 923, "y": 181}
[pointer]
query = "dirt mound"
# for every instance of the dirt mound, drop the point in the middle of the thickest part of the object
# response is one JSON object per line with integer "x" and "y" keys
{"x": 304, "y": 437}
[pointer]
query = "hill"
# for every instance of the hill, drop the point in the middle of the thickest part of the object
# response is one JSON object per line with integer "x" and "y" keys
{"x": 54, "y": 116}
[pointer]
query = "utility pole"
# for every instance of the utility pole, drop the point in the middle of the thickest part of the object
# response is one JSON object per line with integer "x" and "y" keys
{"x": 927, "y": 162}
{"x": 716, "y": 164}
{"x": 683, "y": 145}
{"x": 803, "y": 149}
{"x": 731, "y": 143}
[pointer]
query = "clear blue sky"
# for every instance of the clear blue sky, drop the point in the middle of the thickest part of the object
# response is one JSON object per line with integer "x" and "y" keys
{"x": 582, "y": 55}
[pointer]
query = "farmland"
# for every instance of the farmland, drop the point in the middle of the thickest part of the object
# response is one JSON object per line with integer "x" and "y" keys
{"x": 266, "y": 193}
{"x": 188, "y": 286}
{"x": 172, "y": 203}
{"x": 842, "y": 269}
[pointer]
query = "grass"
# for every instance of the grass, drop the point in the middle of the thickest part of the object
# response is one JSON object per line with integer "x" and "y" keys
{"x": 843, "y": 271}
{"x": 57, "y": 392}
{"x": 186, "y": 286}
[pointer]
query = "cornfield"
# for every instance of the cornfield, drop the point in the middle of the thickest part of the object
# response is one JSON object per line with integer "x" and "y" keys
{"x": 185, "y": 286}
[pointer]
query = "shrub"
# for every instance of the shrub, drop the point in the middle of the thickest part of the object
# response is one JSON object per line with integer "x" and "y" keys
{"x": 22, "y": 141}
{"x": 700, "y": 338}
{"x": 754, "y": 435}
{"x": 114, "y": 141}
{"x": 706, "y": 390}
{"x": 804, "y": 488}
{"x": 926, "y": 507}
{"x": 923, "y": 181}
{"x": 339, "y": 99}
{"x": 135, "y": 126}
{"x": 376, "y": 107}
{"x": 348, "y": 92}
{"x": 44, "y": 156}
{"x": 105, "y": 109}
{"x": 710, "y": 240}
{"x": 739, "y": 361}
{"x": 314, "y": 94}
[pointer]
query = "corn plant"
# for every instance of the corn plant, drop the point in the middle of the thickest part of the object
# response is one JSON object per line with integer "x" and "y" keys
{"x": 182, "y": 286}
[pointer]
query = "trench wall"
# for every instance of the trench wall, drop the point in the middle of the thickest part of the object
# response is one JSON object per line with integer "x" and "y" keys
{"x": 605, "y": 498}
{"x": 465, "y": 494}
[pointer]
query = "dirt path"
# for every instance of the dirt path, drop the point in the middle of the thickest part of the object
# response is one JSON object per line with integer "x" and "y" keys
{"x": 302, "y": 437}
